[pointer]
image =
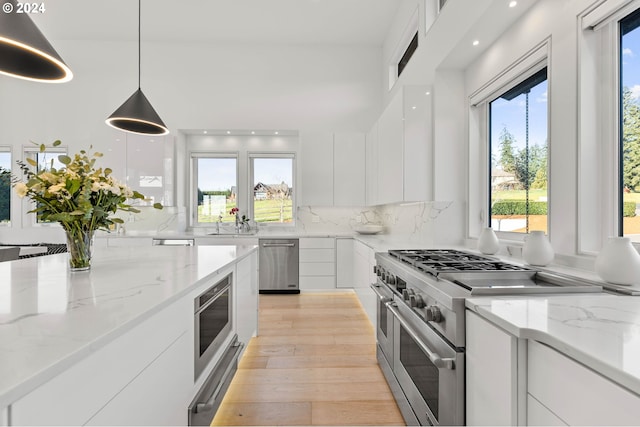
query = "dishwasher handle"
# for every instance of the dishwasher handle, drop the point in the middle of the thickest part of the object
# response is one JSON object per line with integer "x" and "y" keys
{"x": 278, "y": 245}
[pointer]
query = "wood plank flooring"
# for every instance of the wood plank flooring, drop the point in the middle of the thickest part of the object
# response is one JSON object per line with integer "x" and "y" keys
{"x": 313, "y": 363}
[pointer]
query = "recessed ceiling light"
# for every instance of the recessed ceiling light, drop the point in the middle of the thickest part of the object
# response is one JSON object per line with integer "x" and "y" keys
{"x": 253, "y": 132}
{"x": 276, "y": 132}
{"x": 513, "y": 3}
{"x": 205, "y": 132}
{"x": 427, "y": 93}
{"x": 476, "y": 42}
{"x": 228, "y": 132}
{"x": 414, "y": 107}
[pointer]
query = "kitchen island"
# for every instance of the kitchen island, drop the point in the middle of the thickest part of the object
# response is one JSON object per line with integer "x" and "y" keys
{"x": 82, "y": 338}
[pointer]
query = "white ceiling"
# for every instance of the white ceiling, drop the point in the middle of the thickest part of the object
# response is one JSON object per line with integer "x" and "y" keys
{"x": 344, "y": 22}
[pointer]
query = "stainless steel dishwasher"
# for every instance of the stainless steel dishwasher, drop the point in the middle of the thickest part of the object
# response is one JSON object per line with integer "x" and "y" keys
{"x": 278, "y": 261}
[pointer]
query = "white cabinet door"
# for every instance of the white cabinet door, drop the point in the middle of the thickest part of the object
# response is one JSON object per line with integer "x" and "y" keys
{"x": 418, "y": 137}
{"x": 345, "y": 263}
{"x": 317, "y": 169}
{"x": 349, "y": 169}
{"x": 371, "y": 166}
{"x": 157, "y": 396}
{"x": 576, "y": 394}
{"x": 491, "y": 373}
{"x": 120, "y": 242}
{"x": 538, "y": 415}
{"x": 246, "y": 297}
{"x": 390, "y": 152}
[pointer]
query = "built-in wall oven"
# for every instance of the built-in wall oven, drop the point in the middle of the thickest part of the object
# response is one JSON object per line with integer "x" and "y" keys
{"x": 213, "y": 321}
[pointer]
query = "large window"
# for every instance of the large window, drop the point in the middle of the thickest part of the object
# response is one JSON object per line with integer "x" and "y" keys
{"x": 518, "y": 156}
{"x": 216, "y": 188}
{"x": 272, "y": 181}
{"x": 629, "y": 170}
{"x": 5, "y": 185}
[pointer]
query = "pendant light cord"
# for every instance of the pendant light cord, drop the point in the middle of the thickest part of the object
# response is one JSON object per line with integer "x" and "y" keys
{"x": 139, "y": 49}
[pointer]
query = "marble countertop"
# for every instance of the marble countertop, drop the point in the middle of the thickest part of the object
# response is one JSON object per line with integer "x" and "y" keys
{"x": 601, "y": 331}
{"x": 51, "y": 318}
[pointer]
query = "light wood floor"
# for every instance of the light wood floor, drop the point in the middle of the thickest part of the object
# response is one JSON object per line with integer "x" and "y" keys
{"x": 313, "y": 363}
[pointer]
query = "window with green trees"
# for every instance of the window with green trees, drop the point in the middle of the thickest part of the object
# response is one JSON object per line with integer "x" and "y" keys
{"x": 5, "y": 186}
{"x": 518, "y": 125}
{"x": 216, "y": 186}
{"x": 629, "y": 167}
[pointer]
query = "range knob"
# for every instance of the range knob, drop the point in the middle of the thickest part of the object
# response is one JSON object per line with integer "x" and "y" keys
{"x": 391, "y": 279}
{"x": 380, "y": 271}
{"x": 433, "y": 314}
{"x": 416, "y": 301}
{"x": 406, "y": 294}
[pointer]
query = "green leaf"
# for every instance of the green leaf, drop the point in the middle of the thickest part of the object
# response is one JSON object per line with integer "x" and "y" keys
{"x": 31, "y": 161}
{"x": 117, "y": 220}
{"x": 107, "y": 171}
{"x": 157, "y": 205}
{"x": 64, "y": 159}
{"x": 43, "y": 148}
{"x": 56, "y": 142}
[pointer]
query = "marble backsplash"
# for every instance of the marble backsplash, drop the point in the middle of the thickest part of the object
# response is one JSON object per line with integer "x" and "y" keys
{"x": 430, "y": 223}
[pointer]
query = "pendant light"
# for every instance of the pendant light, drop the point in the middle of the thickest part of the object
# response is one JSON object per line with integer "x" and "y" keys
{"x": 137, "y": 115}
{"x": 25, "y": 52}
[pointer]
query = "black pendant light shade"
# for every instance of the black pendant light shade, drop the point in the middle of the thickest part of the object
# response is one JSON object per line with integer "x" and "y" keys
{"x": 25, "y": 52}
{"x": 137, "y": 115}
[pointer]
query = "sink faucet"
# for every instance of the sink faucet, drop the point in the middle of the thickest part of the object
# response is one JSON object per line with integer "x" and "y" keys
{"x": 218, "y": 224}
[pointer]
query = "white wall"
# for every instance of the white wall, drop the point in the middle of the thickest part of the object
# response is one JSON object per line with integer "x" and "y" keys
{"x": 557, "y": 20}
{"x": 333, "y": 88}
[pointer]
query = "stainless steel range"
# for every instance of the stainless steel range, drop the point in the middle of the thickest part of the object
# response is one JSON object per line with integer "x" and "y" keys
{"x": 420, "y": 322}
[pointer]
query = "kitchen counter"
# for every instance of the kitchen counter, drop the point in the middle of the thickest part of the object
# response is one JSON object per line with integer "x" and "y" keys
{"x": 601, "y": 331}
{"x": 51, "y": 318}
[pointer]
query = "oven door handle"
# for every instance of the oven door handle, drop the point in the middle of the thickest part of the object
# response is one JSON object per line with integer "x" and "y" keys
{"x": 383, "y": 299}
{"x": 439, "y": 362}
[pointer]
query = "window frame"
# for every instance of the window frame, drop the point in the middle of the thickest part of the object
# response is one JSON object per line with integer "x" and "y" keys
{"x": 9, "y": 149}
{"x": 478, "y": 189}
{"x": 599, "y": 130}
{"x": 251, "y": 156}
{"x": 193, "y": 193}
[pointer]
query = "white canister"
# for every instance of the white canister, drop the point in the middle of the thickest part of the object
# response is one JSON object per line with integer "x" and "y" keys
{"x": 488, "y": 241}
{"x": 537, "y": 250}
{"x": 618, "y": 262}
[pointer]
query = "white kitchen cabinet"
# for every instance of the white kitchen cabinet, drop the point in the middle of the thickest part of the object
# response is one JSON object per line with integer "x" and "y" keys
{"x": 390, "y": 152}
{"x": 119, "y": 242}
{"x": 364, "y": 260}
{"x": 345, "y": 263}
{"x": 418, "y": 145}
{"x": 226, "y": 240}
{"x": 371, "y": 166}
{"x": 74, "y": 396}
{"x": 316, "y": 153}
{"x": 317, "y": 263}
{"x": 246, "y": 298}
{"x": 150, "y": 398}
{"x": 576, "y": 394}
{"x": 349, "y": 169}
{"x": 4, "y": 416}
{"x": 491, "y": 373}
{"x": 538, "y": 415}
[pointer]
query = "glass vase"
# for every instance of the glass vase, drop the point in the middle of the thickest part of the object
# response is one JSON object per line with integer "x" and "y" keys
{"x": 79, "y": 248}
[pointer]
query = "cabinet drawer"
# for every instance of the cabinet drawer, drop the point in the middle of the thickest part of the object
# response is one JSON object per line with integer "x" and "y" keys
{"x": 317, "y": 269}
{"x": 575, "y": 393}
{"x": 317, "y": 282}
{"x": 120, "y": 242}
{"x": 317, "y": 255}
{"x": 538, "y": 415}
{"x": 318, "y": 243}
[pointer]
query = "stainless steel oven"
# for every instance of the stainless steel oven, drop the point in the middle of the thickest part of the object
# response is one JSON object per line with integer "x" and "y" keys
{"x": 212, "y": 320}
{"x": 429, "y": 370}
{"x": 384, "y": 320}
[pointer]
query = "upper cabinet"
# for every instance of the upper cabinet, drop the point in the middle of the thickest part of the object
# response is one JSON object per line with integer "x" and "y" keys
{"x": 400, "y": 149}
{"x": 333, "y": 169}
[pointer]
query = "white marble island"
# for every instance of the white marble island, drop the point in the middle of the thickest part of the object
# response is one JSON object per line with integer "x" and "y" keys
{"x": 564, "y": 359}
{"x": 52, "y": 320}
